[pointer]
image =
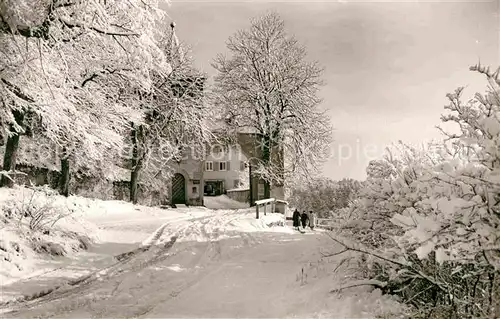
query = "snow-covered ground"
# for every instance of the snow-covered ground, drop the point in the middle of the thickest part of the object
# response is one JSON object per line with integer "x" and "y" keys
{"x": 220, "y": 257}
{"x": 255, "y": 275}
{"x": 87, "y": 218}
{"x": 113, "y": 227}
{"x": 222, "y": 202}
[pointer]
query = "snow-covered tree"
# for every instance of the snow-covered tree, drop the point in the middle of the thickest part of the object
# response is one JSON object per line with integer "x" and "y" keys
{"x": 177, "y": 120}
{"x": 65, "y": 66}
{"x": 268, "y": 87}
{"x": 431, "y": 218}
{"x": 324, "y": 195}
{"x": 244, "y": 180}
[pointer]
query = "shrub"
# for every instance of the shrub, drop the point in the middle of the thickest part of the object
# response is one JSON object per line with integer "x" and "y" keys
{"x": 34, "y": 207}
{"x": 430, "y": 229}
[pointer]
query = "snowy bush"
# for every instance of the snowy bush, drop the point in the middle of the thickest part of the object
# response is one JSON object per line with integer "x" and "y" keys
{"x": 34, "y": 207}
{"x": 390, "y": 188}
{"x": 430, "y": 218}
{"x": 36, "y": 222}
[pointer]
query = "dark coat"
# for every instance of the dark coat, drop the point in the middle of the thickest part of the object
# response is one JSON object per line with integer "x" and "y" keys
{"x": 304, "y": 218}
{"x": 296, "y": 218}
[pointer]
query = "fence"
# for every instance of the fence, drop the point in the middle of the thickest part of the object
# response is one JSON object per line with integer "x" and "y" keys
{"x": 270, "y": 205}
{"x": 239, "y": 195}
{"x": 326, "y": 223}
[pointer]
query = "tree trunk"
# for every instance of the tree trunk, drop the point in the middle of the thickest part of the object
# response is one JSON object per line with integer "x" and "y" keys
{"x": 136, "y": 163}
{"x": 250, "y": 185}
{"x": 65, "y": 176}
{"x": 10, "y": 156}
{"x": 134, "y": 177}
{"x": 266, "y": 159}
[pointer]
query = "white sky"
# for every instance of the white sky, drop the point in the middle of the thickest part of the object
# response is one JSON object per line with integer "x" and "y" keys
{"x": 388, "y": 65}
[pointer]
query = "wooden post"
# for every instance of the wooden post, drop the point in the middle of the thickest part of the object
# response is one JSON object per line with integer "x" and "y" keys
{"x": 264, "y": 203}
{"x": 250, "y": 186}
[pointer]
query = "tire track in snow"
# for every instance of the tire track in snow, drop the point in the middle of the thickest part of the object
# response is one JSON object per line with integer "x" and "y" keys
{"x": 208, "y": 268}
{"x": 64, "y": 301}
{"x": 209, "y": 228}
{"x": 197, "y": 224}
{"x": 78, "y": 285}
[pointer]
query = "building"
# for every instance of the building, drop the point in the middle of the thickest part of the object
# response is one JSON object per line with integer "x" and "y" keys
{"x": 187, "y": 181}
{"x": 186, "y": 184}
{"x": 225, "y": 168}
{"x": 251, "y": 148}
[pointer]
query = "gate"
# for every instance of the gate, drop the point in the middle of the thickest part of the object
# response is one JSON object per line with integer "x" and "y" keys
{"x": 178, "y": 189}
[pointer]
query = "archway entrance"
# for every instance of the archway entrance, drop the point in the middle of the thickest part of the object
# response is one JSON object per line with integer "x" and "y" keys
{"x": 178, "y": 189}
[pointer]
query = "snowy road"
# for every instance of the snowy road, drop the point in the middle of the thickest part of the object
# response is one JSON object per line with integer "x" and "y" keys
{"x": 251, "y": 275}
{"x": 147, "y": 262}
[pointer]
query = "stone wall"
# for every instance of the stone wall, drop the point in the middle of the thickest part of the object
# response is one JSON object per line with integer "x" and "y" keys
{"x": 121, "y": 191}
{"x": 36, "y": 176}
{"x": 86, "y": 186}
{"x": 79, "y": 185}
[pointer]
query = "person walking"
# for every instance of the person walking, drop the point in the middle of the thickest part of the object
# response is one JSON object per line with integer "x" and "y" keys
{"x": 296, "y": 219}
{"x": 304, "y": 219}
{"x": 312, "y": 219}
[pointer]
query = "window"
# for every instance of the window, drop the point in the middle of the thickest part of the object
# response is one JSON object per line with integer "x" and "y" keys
{"x": 209, "y": 166}
{"x": 222, "y": 166}
{"x": 236, "y": 183}
{"x": 217, "y": 152}
{"x": 195, "y": 190}
{"x": 217, "y": 149}
{"x": 242, "y": 165}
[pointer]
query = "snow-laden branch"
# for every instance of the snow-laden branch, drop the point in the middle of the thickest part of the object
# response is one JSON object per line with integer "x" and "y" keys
{"x": 430, "y": 216}
{"x": 360, "y": 283}
{"x": 273, "y": 90}
{"x": 74, "y": 66}
{"x": 73, "y": 24}
{"x": 176, "y": 125}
